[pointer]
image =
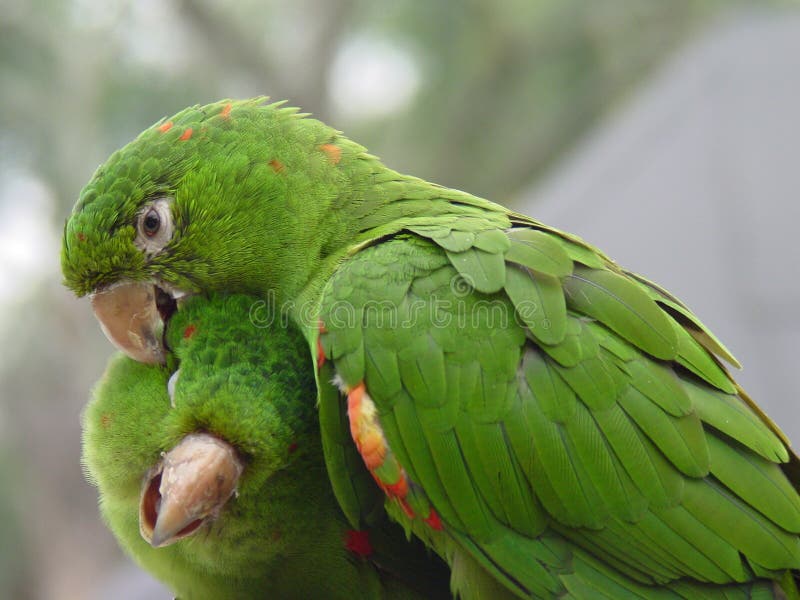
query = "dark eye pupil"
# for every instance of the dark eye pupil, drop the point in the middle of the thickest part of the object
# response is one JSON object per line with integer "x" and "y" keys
{"x": 151, "y": 223}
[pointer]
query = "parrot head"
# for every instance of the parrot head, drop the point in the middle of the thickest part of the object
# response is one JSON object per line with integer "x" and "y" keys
{"x": 226, "y": 196}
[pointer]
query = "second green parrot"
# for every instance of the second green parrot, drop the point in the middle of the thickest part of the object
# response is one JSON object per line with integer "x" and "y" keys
{"x": 211, "y": 474}
{"x": 545, "y": 420}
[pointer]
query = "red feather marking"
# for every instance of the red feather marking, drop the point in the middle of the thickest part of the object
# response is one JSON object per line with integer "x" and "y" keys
{"x": 398, "y": 489}
{"x": 406, "y": 508}
{"x": 434, "y": 521}
{"x": 320, "y": 354}
{"x": 186, "y": 134}
{"x": 81, "y": 236}
{"x": 165, "y": 127}
{"x": 292, "y": 447}
{"x": 189, "y": 331}
{"x": 277, "y": 165}
{"x": 357, "y": 542}
{"x": 225, "y": 113}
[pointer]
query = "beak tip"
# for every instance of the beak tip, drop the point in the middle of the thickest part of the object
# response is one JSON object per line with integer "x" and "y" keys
{"x": 157, "y": 540}
{"x": 163, "y": 535}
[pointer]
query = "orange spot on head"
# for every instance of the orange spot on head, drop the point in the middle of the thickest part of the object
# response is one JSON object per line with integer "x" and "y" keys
{"x": 165, "y": 127}
{"x": 81, "y": 236}
{"x": 225, "y": 113}
{"x": 357, "y": 542}
{"x": 186, "y": 134}
{"x": 321, "y": 327}
{"x": 434, "y": 521}
{"x": 189, "y": 331}
{"x": 277, "y": 165}
{"x": 334, "y": 153}
{"x": 105, "y": 420}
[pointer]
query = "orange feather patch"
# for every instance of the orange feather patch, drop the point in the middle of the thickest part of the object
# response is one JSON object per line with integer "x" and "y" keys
{"x": 334, "y": 153}
{"x": 365, "y": 428}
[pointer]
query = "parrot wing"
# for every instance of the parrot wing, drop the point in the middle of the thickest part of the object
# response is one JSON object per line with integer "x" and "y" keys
{"x": 567, "y": 424}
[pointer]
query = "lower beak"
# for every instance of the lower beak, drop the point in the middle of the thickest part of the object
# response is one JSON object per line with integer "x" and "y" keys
{"x": 190, "y": 485}
{"x": 131, "y": 321}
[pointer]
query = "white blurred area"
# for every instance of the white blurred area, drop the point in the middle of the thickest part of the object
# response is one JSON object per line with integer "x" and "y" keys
{"x": 695, "y": 183}
{"x": 371, "y": 77}
{"x": 29, "y": 244}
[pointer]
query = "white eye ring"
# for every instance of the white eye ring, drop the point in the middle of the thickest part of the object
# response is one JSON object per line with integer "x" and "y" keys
{"x": 154, "y": 226}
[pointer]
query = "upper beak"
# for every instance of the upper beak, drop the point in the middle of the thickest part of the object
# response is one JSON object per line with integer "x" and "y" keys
{"x": 130, "y": 318}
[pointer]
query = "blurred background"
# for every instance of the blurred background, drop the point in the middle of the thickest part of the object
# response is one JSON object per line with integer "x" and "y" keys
{"x": 663, "y": 132}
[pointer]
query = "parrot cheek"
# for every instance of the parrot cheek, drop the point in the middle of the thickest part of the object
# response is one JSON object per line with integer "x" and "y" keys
{"x": 189, "y": 486}
{"x": 132, "y": 316}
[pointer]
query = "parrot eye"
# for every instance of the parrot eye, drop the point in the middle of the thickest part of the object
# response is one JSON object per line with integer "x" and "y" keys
{"x": 151, "y": 223}
{"x": 154, "y": 226}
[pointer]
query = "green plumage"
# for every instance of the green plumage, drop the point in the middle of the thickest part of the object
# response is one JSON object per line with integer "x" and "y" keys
{"x": 570, "y": 423}
{"x": 250, "y": 386}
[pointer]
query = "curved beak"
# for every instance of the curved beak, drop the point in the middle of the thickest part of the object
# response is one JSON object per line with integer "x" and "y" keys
{"x": 189, "y": 486}
{"x": 130, "y": 316}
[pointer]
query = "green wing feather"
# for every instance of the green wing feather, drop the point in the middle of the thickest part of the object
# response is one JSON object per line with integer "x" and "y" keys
{"x": 542, "y": 398}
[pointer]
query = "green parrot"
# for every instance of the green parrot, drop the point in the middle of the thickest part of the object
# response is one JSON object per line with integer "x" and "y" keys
{"x": 549, "y": 423}
{"x": 233, "y": 414}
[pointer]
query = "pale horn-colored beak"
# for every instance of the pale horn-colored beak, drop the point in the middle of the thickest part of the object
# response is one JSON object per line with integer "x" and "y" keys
{"x": 130, "y": 319}
{"x": 189, "y": 486}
